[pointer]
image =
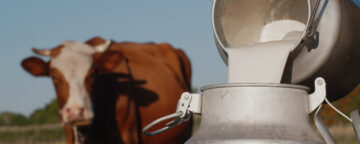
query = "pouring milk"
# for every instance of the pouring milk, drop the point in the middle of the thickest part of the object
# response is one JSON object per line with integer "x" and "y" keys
{"x": 264, "y": 62}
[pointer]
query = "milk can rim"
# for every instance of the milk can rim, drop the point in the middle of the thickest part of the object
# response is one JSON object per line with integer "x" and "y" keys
{"x": 255, "y": 85}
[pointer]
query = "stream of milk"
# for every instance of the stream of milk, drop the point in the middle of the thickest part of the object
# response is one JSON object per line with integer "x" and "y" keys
{"x": 259, "y": 63}
{"x": 264, "y": 62}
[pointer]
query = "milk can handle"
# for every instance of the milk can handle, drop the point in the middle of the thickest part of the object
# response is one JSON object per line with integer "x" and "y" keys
{"x": 313, "y": 20}
{"x": 188, "y": 104}
{"x": 315, "y": 102}
{"x": 167, "y": 126}
{"x": 355, "y": 120}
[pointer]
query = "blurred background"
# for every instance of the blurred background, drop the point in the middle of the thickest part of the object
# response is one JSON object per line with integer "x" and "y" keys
{"x": 28, "y": 110}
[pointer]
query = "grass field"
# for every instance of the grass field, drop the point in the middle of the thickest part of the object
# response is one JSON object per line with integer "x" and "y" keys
{"x": 44, "y": 134}
{"x": 53, "y": 134}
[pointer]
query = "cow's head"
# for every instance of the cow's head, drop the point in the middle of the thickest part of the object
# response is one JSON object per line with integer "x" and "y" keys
{"x": 72, "y": 67}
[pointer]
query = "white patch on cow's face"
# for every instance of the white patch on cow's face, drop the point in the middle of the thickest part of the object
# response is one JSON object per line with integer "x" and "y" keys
{"x": 74, "y": 62}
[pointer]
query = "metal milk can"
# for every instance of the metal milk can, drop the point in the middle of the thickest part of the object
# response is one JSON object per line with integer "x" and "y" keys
{"x": 252, "y": 114}
{"x": 257, "y": 114}
{"x": 328, "y": 45}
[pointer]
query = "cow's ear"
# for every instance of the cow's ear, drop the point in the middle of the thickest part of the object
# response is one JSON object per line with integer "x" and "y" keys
{"x": 35, "y": 66}
{"x": 108, "y": 61}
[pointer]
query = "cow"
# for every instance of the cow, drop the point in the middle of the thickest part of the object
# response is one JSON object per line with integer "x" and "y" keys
{"x": 107, "y": 91}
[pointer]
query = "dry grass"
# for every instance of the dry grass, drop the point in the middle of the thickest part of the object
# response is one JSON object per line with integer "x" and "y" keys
{"x": 44, "y": 134}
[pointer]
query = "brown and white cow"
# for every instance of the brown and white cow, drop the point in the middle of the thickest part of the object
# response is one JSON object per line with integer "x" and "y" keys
{"x": 111, "y": 90}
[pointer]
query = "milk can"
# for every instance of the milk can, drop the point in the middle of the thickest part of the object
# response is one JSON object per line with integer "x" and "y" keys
{"x": 255, "y": 114}
{"x": 252, "y": 114}
{"x": 327, "y": 34}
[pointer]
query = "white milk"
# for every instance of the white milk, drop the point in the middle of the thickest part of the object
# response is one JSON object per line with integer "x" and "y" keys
{"x": 259, "y": 63}
{"x": 278, "y": 30}
{"x": 264, "y": 62}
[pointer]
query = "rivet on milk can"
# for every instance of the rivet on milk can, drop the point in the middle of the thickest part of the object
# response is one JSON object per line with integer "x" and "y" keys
{"x": 275, "y": 51}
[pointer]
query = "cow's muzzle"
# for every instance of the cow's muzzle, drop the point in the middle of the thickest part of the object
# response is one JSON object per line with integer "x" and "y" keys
{"x": 77, "y": 115}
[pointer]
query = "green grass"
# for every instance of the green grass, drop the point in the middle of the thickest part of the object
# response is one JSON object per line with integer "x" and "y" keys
{"x": 34, "y": 135}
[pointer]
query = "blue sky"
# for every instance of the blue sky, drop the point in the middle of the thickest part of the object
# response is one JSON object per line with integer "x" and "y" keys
{"x": 185, "y": 24}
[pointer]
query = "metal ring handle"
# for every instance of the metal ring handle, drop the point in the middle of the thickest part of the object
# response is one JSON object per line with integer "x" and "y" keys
{"x": 311, "y": 29}
{"x": 167, "y": 127}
